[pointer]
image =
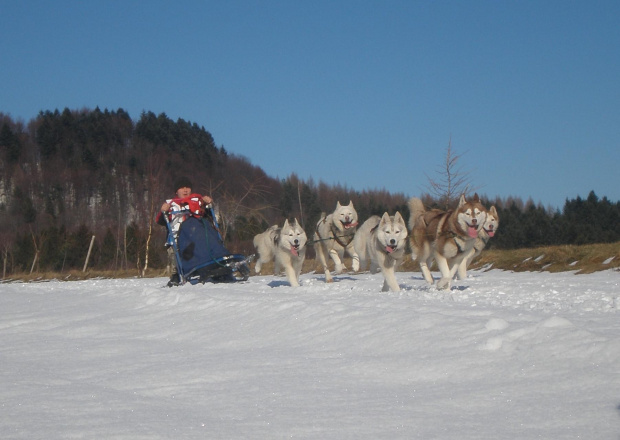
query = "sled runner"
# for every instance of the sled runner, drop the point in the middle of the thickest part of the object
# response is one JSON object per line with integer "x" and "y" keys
{"x": 199, "y": 249}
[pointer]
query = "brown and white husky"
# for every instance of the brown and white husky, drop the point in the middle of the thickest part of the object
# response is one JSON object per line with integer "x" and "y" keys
{"x": 488, "y": 230}
{"x": 444, "y": 236}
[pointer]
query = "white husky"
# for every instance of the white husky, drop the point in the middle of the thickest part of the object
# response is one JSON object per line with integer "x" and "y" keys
{"x": 285, "y": 245}
{"x": 383, "y": 240}
{"x": 264, "y": 245}
{"x": 489, "y": 228}
{"x": 334, "y": 234}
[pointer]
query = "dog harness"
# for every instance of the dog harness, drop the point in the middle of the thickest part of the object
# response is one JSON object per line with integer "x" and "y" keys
{"x": 334, "y": 232}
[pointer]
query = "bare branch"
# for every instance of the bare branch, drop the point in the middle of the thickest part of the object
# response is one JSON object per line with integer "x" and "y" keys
{"x": 230, "y": 207}
{"x": 452, "y": 180}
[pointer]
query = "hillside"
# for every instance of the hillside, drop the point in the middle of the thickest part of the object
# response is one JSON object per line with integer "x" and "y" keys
{"x": 71, "y": 175}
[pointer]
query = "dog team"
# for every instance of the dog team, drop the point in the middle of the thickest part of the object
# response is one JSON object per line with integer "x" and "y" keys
{"x": 451, "y": 238}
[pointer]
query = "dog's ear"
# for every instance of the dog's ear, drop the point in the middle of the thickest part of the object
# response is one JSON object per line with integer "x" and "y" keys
{"x": 338, "y": 204}
{"x": 462, "y": 200}
{"x": 386, "y": 218}
{"x": 398, "y": 218}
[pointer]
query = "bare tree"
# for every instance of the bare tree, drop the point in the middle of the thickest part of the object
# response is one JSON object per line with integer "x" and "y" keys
{"x": 451, "y": 182}
{"x": 37, "y": 250}
{"x": 155, "y": 171}
{"x": 231, "y": 206}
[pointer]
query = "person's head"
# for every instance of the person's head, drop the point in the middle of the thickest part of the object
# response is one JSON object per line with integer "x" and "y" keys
{"x": 183, "y": 187}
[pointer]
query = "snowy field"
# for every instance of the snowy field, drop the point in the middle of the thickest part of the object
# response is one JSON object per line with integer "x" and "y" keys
{"x": 501, "y": 356}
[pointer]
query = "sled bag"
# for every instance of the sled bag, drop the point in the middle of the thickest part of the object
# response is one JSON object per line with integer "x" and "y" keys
{"x": 199, "y": 244}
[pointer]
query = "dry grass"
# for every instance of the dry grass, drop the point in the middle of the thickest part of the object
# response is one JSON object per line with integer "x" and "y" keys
{"x": 580, "y": 259}
{"x": 76, "y": 275}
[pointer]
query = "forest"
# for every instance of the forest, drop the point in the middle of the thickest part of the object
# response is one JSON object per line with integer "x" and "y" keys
{"x": 78, "y": 180}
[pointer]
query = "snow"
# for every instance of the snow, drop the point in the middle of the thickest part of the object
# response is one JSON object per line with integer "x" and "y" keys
{"x": 501, "y": 355}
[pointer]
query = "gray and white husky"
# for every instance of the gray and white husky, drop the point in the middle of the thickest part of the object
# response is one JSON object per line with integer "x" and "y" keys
{"x": 333, "y": 235}
{"x": 383, "y": 241}
{"x": 285, "y": 245}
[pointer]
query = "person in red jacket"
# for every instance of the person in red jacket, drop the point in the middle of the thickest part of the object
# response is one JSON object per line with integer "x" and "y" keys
{"x": 183, "y": 190}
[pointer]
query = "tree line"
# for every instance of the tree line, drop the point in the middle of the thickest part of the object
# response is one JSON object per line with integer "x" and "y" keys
{"x": 66, "y": 176}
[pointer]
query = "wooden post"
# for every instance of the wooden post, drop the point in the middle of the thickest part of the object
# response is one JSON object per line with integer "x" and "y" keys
{"x": 34, "y": 262}
{"x": 301, "y": 211}
{"x": 90, "y": 248}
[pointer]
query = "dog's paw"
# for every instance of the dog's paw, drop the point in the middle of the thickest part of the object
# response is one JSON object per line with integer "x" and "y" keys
{"x": 443, "y": 283}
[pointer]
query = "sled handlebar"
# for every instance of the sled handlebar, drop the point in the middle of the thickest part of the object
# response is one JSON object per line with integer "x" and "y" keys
{"x": 186, "y": 211}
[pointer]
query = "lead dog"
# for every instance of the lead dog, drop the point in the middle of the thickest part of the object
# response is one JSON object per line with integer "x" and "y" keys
{"x": 285, "y": 245}
{"x": 488, "y": 230}
{"x": 383, "y": 241}
{"x": 445, "y": 236}
{"x": 334, "y": 234}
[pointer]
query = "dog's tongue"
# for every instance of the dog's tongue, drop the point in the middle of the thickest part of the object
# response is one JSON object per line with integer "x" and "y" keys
{"x": 294, "y": 252}
{"x": 472, "y": 232}
{"x": 491, "y": 233}
{"x": 389, "y": 249}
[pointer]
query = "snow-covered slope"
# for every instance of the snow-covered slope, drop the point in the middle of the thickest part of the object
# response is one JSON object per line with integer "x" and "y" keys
{"x": 501, "y": 356}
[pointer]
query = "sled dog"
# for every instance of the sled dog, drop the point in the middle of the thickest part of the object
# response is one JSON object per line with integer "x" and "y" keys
{"x": 334, "y": 234}
{"x": 445, "y": 236}
{"x": 264, "y": 245}
{"x": 383, "y": 241}
{"x": 285, "y": 245}
{"x": 488, "y": 230}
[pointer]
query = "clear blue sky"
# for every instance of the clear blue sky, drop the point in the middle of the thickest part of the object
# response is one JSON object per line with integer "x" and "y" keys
{"x": 360, "y": 93}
